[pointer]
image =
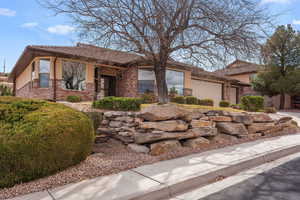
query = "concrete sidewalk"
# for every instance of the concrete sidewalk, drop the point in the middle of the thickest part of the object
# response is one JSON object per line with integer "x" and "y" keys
{"x": 166, "y": 179}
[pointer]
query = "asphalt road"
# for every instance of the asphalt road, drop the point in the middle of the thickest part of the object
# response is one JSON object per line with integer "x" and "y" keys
{"x": 280, "y": 183}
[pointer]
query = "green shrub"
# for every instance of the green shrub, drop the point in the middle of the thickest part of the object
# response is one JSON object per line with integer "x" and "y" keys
{"x": 191, "y": 100}
{"x": 179, "y": 99}
{"x": 148, "y": 97}
{"x": 206, "y": 102}
{"x": 119, "y": 103}
{"x": 73, "y": 99}
{"x": 270, "y": 110}
{"x": 224, "y": 103}
{"x": 252, "y": 103}
{"x": 5, "y": 90}
{"x": 39, "y": 138}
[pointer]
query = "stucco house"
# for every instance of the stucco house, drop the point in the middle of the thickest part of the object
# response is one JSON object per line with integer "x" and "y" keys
{"x": 245, "y": 72}
{"x": 55, "y": 72}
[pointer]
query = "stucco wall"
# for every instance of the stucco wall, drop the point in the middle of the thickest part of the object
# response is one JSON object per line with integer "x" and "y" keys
{"x": 242, "y": 77}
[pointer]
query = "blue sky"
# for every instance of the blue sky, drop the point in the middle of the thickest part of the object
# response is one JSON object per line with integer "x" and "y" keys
{"x": 25, "y": 22}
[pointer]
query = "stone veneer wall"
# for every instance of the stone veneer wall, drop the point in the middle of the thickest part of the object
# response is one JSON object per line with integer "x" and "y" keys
{"x": 159, "y": 129}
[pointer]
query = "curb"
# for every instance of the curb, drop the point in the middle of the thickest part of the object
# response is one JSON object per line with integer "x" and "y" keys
{"x": 200, "y": 181}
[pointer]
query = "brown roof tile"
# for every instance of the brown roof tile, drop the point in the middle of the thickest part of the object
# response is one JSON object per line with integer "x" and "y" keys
{"x": 239, "y": 67}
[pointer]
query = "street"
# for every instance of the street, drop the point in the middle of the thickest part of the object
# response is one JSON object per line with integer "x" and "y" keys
{"x": 279, "y": 183}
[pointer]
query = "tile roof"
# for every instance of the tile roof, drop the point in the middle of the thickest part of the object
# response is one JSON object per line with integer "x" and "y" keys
{"x": 239, "y": 67}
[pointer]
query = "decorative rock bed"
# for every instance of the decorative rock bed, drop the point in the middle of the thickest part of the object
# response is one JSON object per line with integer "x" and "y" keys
{"x": 162, "y": 128}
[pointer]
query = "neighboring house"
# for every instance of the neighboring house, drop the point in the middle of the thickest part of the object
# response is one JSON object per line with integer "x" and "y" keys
{"x": 55, "y": 72}
{"x": 4, "y": 80}
{"x": 245, "y": 72}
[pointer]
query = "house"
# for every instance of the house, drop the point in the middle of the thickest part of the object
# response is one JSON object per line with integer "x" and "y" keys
{"x": 55, "y": 72}
{"x": 245, "y": 72}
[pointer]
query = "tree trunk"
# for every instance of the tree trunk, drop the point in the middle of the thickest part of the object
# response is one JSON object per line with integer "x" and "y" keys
{"x": 282, "y": 101}
{"x": 162, "y": 89}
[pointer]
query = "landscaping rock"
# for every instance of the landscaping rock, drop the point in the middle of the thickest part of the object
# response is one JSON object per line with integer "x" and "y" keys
{"x": 220, "y": 118}
{"x": 164, "y": 147}
{"x": 115, "y": 124}
{"x": 113, "y": 114}
{"x": 284, "y": 120}
{"x": 172, "y": 125}
{"x": 202, "y": 123}
{"x": 104, "y": 122}
{"x": 196, "y": 143}
{"x": 203, "y": 131}
{"x": 232, "y": 128}
{"x": 100, "y": 131}
{"x": 224, "y": 138}
{"x": 143, "y": 138}
{"x": 261, "y": 118}
{"x": 241, "y": 118}
{"x": 139, "y": 148}
{"x": 259, "y": 127}
{"x": 164, "y": 112}
{"x": 124, "y": 119}
{"x": 217, "y": 113}
{"x": 197, "y": 115}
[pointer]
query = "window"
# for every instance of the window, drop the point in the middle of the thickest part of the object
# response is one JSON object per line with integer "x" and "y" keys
{"x": 175, "y": 79}
{"x": 44, "y": 73}
{"x": 73, "y": 75}
{"x": 252, "y": 77}
{"x": 146, "y": 81}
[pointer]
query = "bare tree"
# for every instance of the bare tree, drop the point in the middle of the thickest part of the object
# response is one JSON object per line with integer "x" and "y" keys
{"x": 203, "y": 31}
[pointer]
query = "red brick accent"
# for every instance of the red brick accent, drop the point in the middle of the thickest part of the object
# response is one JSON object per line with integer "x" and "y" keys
{"x": 128, "y": 85}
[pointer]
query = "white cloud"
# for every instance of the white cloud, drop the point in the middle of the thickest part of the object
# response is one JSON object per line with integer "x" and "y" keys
{"x": 7, "y": 12}
{"x": 296, "y": 22}
{"x": 30, "y": 25}
{"x": 275, "y": 1}
{"x": 60, "y": 29}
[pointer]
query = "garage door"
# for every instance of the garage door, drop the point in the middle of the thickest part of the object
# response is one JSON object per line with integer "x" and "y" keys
{"x": 204, "y": 89}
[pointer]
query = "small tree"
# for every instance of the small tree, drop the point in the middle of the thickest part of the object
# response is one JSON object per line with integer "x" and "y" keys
{"x": 281, "y": 54}
{"x": 206, "y": 31}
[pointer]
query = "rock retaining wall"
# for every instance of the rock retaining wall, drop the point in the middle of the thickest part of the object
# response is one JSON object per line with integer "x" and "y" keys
{"x": 159, "y": 129}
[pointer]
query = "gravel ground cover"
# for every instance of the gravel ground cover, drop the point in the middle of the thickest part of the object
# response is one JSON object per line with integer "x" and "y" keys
{"x": 108, "y": 158}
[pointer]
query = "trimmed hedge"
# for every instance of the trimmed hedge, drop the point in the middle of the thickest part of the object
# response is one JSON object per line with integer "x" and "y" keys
{"x": 224, "y": 103}
{"x": 148, "y": 97}
{"x": 206, "y": 102}
{"x": 252, "y": 103}
{"x": 118, "y": 103}
{"x": 39, "y": 138}
{"x": 179, "y": 99}
{"x": 191, "y": 100}
{"x": 74, "y": 99}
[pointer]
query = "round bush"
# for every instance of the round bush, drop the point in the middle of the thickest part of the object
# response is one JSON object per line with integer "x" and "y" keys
{"x": 224, "y": 103}
{"x": 39, "y": 138}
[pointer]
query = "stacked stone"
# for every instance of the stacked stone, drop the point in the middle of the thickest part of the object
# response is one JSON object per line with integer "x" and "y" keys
{"x": 162, "y": 128}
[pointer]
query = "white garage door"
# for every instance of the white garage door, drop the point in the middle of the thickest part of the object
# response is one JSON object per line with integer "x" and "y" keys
{"x": 204, "y": 89}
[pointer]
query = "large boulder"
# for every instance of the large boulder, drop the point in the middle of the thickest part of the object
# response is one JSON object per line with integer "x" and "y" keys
{"x": 220, "y": 118}
{"x": 224, "y": 138}
{"x": 241, "y": 118}
{"x": 261, "y": 118}
{"x": 139, "y": 148}
{"x": 196, "y": 142}
{"x": 232, "y": 128}
{"x": 164, "y": 147}
{"x": 260, "y": 127}
{"x": 143, "y": 138}
{"x": 172, "y": 125}
{"x": 202, "y": 123}
{"x": 164, "y": 112}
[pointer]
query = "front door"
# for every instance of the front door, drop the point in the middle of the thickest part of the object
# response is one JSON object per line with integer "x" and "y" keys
{"x": 109, "y": 85}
